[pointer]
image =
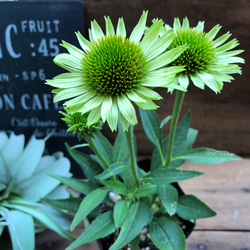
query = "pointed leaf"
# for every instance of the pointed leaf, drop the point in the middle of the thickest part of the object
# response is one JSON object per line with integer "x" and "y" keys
{"x": 100, "y": 227}
{"x": 151, "y": 125}
{"x": 169, "y": 175}
{"x": 206, "y": 156}
{"x": 90, "y": 202}
{"x": 88, "y": 165}
{"x": 120, "y": 212}
{"x": 83, "y": 186}
{"x": 114, "y": 169}
{"x": 166, "y": 234}
{"x": 190, "y": 207}
{"x": 139, "y": 216}
{"x": 169, "y": 197}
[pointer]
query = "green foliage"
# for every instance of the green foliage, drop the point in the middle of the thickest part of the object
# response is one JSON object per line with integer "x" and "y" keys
{"x": 152, "y": 202}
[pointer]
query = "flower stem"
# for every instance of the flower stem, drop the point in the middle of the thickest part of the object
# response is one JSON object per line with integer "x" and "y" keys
{"x": 131, "y": 149}
{"x": 97, "y": 152}
{"x": 176, "y": 112}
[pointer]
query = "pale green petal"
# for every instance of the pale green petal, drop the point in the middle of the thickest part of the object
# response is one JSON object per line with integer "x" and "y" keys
{"x": 65, "y": 94}
{"x": 92, "y": 103}
{"x": 185, "y": 23}
{"x": 66, "y": 83}
{"x": 68, "y": 62}
{"x": 73, "y": 50}
{"x": 200, "y": 26}
{"x": 81, "y": 99}
{"x": 230, "y": 45}
{"x": 109, "y": 26}
{"x": 221, "y": 39}
{"x": 210, "y": 81}
{"x": 213, "y": 32}
{"x": 177, "y": 24}
{"x": 134, "y": 97}
{"x": 151, "y": 36}
{"x": 197, "y": 81}
{"x": 112, "y": 117}
{"x": 91, "y": 39}
{"x": 106, "y": 106}
{"x": 233, "y": 59}
{"x": 148, "y": 105}
{"x": 219, "y": 76}
{"x": 183, "y": 80}
{"x": 158, "y": 82}
{"x": 160, "y": 46}
{"x": 94, "y": 116}
{"x": 125, "y": 124}
{"x": 84, "y": 43}
{"x": 3, "y": 140}
{"x": 127, "y": 109}
{"x": 227, "y": 69}
{"x": 166, "y": 58}
{"x": 96, "y": 31}
{"x": 149, "y": 93}
{"x": 229, "y": 53}
{"x": 121, "y": 30}
{"x": 138, "y": 30}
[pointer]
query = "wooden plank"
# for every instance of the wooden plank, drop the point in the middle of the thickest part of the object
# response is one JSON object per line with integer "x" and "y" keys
{"x": 225, "y": 188}
{"x": 206, "y": 240}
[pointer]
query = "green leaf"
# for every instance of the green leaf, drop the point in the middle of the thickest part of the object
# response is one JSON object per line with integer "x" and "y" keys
{"x": 70, "y": 204}
{"x": 116, "y": 187}
{"x": 190, "y": 207}
{"x": 103, "y": 146}
{"x": 114, "y": 169}
{"x": 120, "y": 212}
{"x": 145, "y": 190}
{"x": 169, "y": 175}
{"x": 89, "y": 203}
{"x": 169, "y": 197}
{"x": 88, "y": 165}
{"x": 166, "y": 234}
{"x": 151, "y": 125}
{"x": 100, "y": 227}
{"x": 22, "y": 235}
{"x": 165, "y": 121}
{"x": 83, "y": 186}
{"x": 139, "y": 216}
{"x": 120, "y": 148}
{"x": 206, "y": 156}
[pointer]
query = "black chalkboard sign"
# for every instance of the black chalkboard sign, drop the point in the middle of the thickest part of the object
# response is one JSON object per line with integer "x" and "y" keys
{"x": 30, "y": 34}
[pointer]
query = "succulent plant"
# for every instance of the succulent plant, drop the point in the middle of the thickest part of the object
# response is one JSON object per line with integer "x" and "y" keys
{"x": 24, "y": 182}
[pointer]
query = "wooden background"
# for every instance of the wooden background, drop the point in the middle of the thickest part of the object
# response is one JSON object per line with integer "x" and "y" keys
{"x": 223, "y": 119}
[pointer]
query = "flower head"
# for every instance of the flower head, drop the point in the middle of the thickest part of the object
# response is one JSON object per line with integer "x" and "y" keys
{"x": 207, "y": 61}
{"x": 77, "y": 124}
{"x": 112, "y": 71}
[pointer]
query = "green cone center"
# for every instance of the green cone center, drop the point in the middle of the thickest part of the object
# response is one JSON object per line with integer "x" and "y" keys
{"x": 114, "y": 65}
{"x": 200, "y": 51}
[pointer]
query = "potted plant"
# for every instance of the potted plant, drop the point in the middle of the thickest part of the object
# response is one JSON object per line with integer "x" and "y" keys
{"x": 24, "y": 182}
{"x": 108, "y": 78}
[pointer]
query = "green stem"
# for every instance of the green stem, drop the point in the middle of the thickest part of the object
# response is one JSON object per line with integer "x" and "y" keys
{"x": 97, "y": 152}
{"x": 176, "y": 112}
{"x": 131, "y": 149}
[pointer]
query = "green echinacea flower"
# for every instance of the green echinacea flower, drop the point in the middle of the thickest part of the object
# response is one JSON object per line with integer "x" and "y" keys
{"x": 207, "y": 61}
{"x": 112, "y": 71}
